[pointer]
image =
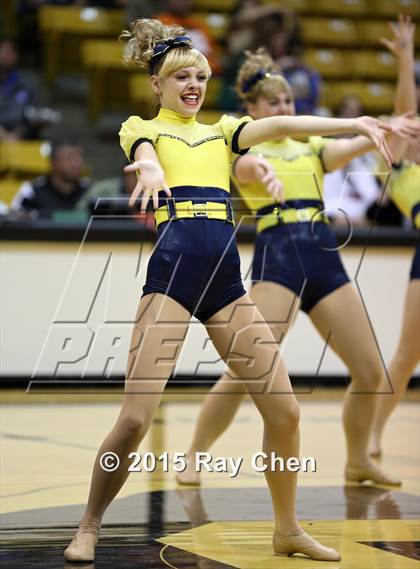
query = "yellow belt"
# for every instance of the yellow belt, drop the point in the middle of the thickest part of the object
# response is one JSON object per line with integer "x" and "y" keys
{"x": 278, "y": 216}
{"x": 189, "y": 210}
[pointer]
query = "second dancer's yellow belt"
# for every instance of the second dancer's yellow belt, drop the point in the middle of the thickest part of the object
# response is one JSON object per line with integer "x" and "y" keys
{"x": 279, "y": 216}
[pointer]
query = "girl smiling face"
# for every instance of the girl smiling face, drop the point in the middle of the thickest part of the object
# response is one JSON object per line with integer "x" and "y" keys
{"x": 182, "y": 91}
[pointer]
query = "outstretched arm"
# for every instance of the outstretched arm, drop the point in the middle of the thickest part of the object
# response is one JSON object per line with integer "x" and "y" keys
{"x": 402, "y": 46}
{"x": 151, "y": 178}
{"x": 337, "y": 153}
{"x": 261, "y": 130}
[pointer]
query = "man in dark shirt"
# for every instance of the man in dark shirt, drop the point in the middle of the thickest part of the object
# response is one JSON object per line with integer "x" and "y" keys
{"x": 62, "y": 188}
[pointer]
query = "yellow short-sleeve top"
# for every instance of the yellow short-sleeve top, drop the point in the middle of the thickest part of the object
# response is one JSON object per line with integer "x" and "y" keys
{"x": 190, "y": 153}
{"x": 297, "y": 164}
{"x": 404, "y": 190}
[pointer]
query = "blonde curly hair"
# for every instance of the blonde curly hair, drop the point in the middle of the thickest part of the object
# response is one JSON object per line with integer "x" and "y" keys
{"x": 145, "y": 34}
{"x": 260, "y": 76}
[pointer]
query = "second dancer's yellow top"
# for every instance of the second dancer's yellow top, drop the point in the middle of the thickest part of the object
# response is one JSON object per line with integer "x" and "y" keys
{"x": 297, "y": 164}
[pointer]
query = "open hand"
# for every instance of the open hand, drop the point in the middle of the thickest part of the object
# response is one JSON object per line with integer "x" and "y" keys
{"x": 406, "y": 126}
{"x": 266, "y": 175}
{"x": 403, "y": 32}
{"x": 376, "y": 130}
{"x": 150, "y": 182}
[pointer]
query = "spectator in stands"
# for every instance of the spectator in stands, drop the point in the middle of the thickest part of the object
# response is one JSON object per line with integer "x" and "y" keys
{"x": 16, "y": 94}
{"x": 253, "y": 25}
{"x": 280, "y": 33}
{"x": 111, "y": 196}
{"x": 179, "y": 12}
{"x": 62, "y": 188}
{"x": 350, "y": 194}
{"x": 305, "y": 83}
{"x": 20, "y": 116}
{"x": 350, "y": 106}
{"x": 121, "y": 187}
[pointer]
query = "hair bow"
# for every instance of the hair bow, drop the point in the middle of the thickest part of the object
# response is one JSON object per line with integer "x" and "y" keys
{"x": 247, "y": 84}
{"x": 161, "y": 48}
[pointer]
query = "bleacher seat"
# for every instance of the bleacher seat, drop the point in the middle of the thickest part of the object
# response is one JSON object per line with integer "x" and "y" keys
{"x": 373, "y": 65}
{"x": 57, "y": 22}
{"x": 330, "y": 63}
{"x": 9, "y": 187}
{"x": 370, "y": 32}
{"x": 102, "y": 54}
{"x": 391, "y": 9}
{"x": 21, "y": 160}
{"x": 340, "y": 8}
{"x": 139, "y": 85}
{"x": 100, "y": 58}
{"x": 24, "y": 157}
{"x": 336, "y": 32}
{"x": 376, "y": 97}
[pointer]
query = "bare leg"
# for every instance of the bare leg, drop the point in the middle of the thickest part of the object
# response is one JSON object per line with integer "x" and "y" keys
{"x": 158, "y": 318}
{"x": 402, "y": 365}
{"x": 279, "y": 307}
{"x": 246, "y": 343}
{"x": 342, "y": 314}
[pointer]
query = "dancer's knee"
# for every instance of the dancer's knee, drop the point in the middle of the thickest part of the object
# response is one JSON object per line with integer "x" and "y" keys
{"x": 283, "y": 418}
{"x": 368, "y": 377}
{"x": 134, "y": 426}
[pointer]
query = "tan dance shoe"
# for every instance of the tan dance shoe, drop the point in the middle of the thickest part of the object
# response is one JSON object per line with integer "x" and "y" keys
{"x": 190, "y": 476}
{"x": 82, "y": 547}
{"x": 370, "y": 471}
{"x": 305, "y": 544}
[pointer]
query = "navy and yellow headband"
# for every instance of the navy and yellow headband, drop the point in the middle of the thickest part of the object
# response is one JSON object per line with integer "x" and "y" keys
{"x": 161, "y": 49}
{"x": 261, "y": 74}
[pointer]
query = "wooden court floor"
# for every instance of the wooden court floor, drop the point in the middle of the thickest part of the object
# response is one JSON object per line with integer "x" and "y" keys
{"x": 48, "y": 444}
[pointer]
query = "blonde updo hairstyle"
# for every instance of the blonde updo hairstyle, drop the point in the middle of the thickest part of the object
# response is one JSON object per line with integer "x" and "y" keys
{"x": 268, "y": 86}
{"x": 145, "y": 34}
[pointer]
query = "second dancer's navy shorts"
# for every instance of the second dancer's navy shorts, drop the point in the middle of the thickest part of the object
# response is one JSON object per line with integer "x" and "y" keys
{"x": 196, "y": 261}
{"x": 302, "y": 257}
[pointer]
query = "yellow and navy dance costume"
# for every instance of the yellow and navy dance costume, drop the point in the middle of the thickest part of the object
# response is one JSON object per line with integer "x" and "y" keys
{"x": 404, "y": 191}
{"x": 196, "y": 260}
{"x": 295, "y": 247}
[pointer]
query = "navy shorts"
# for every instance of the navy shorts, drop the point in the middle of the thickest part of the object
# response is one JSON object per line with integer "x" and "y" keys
{"x": 415, "y": 267}
{"x": 302, "y": 257}
{"x": 196, "y": 261}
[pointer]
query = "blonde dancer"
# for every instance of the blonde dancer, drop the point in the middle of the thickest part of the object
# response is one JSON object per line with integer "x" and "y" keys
{"x": 194, "y": 269}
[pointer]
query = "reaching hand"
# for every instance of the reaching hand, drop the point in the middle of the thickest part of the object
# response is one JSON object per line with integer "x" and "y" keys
{"x": 406, "y": 126}
{"x": 376, "y": 130}
{"x": 403, "y": 40}
{"x": 266, "y": 175}
{"x": 150, "y": 182}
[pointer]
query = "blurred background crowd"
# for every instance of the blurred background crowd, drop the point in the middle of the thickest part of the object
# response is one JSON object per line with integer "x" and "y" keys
{"x": 64, "y": 89}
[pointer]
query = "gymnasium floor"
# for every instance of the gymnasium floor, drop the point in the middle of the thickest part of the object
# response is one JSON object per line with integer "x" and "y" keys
{"x": 49, "y": 443}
